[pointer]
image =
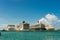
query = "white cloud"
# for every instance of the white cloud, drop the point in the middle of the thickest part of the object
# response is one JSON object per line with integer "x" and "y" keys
{"x": 58, "y": 21}
{"x": 50, "y": 19}
{"x": 43, "y": 20}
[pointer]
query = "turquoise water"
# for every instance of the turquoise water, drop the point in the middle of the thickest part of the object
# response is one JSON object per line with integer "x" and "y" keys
{"x": 30, "y": 36}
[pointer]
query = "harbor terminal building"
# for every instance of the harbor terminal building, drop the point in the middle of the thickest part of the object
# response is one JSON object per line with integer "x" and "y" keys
{"x": 26, "y": 26}
{"x": 11, "y": 27}
{"x": 23, "y": 26}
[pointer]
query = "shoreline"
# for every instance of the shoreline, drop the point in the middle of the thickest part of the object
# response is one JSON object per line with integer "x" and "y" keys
{"x": 32, "y": 31}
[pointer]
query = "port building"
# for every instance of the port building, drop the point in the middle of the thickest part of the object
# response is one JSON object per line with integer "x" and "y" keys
{"x": 38, "y": 27}
{"x": 23, "y": 26}
{"x": 11, "y": 27}
{"x": 49, "y": 27}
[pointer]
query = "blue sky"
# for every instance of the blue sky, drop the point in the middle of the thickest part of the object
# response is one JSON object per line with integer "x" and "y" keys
{"x": 15, "y": 11}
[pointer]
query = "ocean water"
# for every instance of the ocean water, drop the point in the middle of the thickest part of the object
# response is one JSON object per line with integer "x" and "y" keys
{"x": 30, "y": 36}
